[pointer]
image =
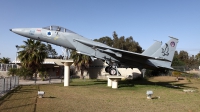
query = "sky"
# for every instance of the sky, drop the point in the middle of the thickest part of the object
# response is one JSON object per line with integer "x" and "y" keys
{"x": 144, "y": 20}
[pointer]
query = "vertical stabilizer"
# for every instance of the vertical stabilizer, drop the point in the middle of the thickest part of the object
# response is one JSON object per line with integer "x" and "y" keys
{"x": 152, "y": 49}
{"x": 166, "y": 52}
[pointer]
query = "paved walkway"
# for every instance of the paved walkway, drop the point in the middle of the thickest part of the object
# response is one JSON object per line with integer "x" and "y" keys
{"x": 30, "y": 82}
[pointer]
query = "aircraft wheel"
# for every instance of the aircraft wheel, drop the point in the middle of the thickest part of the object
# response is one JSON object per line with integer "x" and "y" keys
{"x": 113, "y": 71}
{"x": 107, "y": 69}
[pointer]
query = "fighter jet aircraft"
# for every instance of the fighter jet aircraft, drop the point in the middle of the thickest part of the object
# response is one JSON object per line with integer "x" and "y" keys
{"x": 156, "y": 57}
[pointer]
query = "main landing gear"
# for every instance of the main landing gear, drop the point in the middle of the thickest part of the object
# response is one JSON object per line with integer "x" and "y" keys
{"x": 112, "y": 70}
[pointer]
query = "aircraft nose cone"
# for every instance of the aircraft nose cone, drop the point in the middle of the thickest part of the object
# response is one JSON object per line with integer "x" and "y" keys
{"x": 26, "y": 32}
{"x": 17, "y": 30}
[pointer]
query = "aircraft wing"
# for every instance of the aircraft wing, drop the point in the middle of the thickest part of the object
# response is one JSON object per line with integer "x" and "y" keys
{"x": 118, "y": 52}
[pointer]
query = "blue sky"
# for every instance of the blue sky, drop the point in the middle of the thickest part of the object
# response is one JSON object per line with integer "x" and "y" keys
{"x": 144, "y": 20}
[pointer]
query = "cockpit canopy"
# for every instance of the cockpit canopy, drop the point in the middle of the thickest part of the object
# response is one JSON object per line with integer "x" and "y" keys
{"x": 58, "y": 28}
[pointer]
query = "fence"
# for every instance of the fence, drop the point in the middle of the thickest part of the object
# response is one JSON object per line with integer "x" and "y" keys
{"x": 8, "y": 83}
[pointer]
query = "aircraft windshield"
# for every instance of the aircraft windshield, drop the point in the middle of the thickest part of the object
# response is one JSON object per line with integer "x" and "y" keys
{"x": 57, "y": 28}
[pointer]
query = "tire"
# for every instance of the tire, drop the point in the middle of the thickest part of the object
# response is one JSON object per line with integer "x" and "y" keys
{"x": 107, "y": 69}
{"x": 113, "y": 71}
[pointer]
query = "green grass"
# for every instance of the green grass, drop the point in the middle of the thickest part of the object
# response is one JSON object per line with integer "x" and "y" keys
{"x": 94, "y": 95}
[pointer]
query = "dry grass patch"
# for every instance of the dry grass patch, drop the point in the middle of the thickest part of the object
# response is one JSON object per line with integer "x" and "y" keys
{"x": 93, "y": 95}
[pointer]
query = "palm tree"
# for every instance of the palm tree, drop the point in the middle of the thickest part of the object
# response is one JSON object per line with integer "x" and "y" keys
{"x": 50, "y": 51}
{"x": 32, "y": 54}
{"x": 4, "y": 61}
{"x": 80, "y": 61}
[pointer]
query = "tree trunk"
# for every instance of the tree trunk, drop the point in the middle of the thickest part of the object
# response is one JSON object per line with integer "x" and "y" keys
{"x": 82, "y": 72}
{"x": 35, "y": 77}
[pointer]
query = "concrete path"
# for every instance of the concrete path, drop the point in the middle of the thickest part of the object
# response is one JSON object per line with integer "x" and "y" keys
{"x": 32, "y": 82}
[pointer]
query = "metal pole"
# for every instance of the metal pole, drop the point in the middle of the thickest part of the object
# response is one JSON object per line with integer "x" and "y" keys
{"x": 49, "y": 78}
{"x": 16, "y": 53}
{"x": 4, "y": 85}
{"x": 35, "y": 79}
{"x": 6, "y": 67}
{"x": 15, "y": 81}
{"x": 18, "y": 80}
{"x": 7, "y": 83}
{"x": 10, "y": 82}
{"x": 143, "y": 72}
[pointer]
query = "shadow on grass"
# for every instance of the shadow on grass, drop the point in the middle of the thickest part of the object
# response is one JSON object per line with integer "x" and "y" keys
{"x": 25, "y": 90}
{"x": 17, "y": 90}
{"x": 88, "y": 82}
{"x": 10, "y": 93}
{"x": 18, "y": 99}
{"x": 18, "y": 106}
{"x": 49, "y": 97}
{"x": 142, "y": 81}
{"x": 131, "y": 83}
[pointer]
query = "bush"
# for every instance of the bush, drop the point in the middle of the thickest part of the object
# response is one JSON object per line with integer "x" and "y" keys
{"x": 43, "y": 75}
{"x": 176, "y": 74}
{"x": 24, "y": 72}
{"x": 12, "y": 71}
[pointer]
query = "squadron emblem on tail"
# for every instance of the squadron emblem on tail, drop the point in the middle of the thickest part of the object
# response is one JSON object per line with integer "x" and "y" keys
{"x": 165, "y": 50}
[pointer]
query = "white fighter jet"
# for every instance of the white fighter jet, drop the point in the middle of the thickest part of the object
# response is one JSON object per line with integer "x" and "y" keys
{"x": 156, "y": 57}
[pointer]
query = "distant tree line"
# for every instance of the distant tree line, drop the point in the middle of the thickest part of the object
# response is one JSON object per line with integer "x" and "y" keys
{"x": 184, "y": 62}
{"x": 121, "y": 43}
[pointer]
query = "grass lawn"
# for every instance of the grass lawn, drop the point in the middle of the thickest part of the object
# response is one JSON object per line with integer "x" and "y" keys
{"x": 95, "y": 96}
